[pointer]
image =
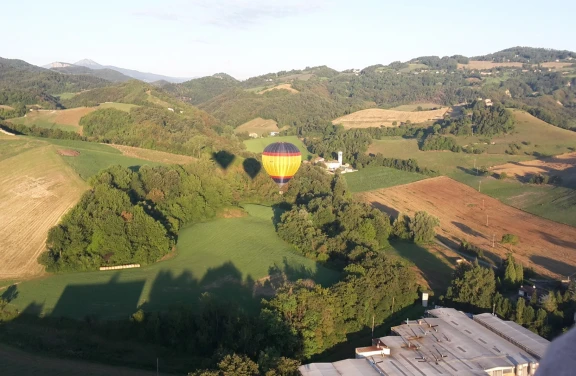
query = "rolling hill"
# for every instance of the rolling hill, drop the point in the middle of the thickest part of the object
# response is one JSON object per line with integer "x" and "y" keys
{"x": 143, "y": 76}
{"x": 105, "y": 73}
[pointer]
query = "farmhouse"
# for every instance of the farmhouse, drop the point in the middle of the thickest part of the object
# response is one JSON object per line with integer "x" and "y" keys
{"x": 446, "y": 342}
{"x": 253, "y": 135}
{"x": 334, "y": 165}
{"x": 272, "y": 134}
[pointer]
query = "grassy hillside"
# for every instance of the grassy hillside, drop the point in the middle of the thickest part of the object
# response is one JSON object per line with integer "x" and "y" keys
{"x": 66, "y": 120}
{"x": 533, "y": 135}
{"x": 372, "y": 178}
{"x": 223, "y": 257}
{"x": 94, "y": 157}
{"x": 257, "y": 145}
{"x": 445, "y": 162}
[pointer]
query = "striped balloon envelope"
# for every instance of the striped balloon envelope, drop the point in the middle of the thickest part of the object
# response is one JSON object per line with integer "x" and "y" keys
{"x": 281, "y": 161}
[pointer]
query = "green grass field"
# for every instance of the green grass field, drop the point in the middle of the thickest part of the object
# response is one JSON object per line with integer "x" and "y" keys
{"x": 372, "y": 178}
{"x": 65, "y": 95}
{"x": 445, "y": 162}
{"x": 257, "y": 145}
{"x": 95, "y": 157}
{"x": 43, "y": 123}
{"x": 119, "y": 106}
{"x": 222, "y": 257}
{"x": 414, "y": 107}
{"x": 532, "y": 134}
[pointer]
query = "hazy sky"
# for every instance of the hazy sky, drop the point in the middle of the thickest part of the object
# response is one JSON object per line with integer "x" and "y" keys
{"x": 251, "y": 37}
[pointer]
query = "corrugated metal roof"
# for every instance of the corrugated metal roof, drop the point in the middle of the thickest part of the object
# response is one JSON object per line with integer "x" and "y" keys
{"x": 348, "y": 367}
{"x": 522, "y": 337}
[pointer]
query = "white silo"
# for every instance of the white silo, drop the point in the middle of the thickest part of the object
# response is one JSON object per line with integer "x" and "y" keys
{"x": 340, "y": 158}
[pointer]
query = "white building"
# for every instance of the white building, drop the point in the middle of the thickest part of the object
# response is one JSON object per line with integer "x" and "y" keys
{"x": 446, "y": 343}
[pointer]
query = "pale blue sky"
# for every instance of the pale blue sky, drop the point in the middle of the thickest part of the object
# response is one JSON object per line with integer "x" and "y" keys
{"x": 251, "y": 37}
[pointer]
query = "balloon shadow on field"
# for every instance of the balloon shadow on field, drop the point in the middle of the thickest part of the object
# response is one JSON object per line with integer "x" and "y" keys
{"x": 252, "y": 167}
{"x": 223, "y": 158}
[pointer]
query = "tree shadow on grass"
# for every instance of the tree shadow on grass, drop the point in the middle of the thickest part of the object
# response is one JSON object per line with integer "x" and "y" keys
{"x": 392, "y": 213}
{"x": 436, "y": 273}
{"x": 468, "y": 230}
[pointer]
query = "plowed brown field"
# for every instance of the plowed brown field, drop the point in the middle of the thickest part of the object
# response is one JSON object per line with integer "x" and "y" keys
{"x": 376, "y": 117}
{"x": 36, "y": 189}
{"x": 465, "y": 214}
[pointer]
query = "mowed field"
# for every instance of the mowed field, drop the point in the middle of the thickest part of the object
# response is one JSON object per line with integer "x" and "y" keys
{"x": 259, "y": 126}
{"x": 36, "y": 188}
{"x": 17, "y": 363}
{"x": 280, "y": 87}
{"x": 66, "y": 120}
{"x": 465, "y": 214}
{"x": 532, "y": 135}
{"x": 231, "y": 258}
{"x": 257, "y": 145}
{"x": 445, "y": 162}
{"x": 372, "y": 178}
{"x": 153, "y": 155}
{"x": 414, "y": 107}
{"x": 376, "y": 117}
{"x": 563, "y": 165}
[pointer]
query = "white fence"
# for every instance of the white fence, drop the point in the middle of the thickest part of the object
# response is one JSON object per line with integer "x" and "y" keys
{"x": 128, "y": 266}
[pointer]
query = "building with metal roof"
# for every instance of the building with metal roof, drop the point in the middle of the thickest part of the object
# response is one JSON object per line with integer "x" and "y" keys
{"x": 447, "y": 343}
{"x": 530, "y": 342}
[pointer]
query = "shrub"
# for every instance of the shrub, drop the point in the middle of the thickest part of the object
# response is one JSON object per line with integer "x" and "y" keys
{"x": 510, "y": 239}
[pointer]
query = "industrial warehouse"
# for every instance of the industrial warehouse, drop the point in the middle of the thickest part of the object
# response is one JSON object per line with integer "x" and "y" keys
{"x": 445, "y": 342}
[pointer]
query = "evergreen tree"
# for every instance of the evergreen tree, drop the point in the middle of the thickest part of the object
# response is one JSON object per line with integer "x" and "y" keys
{"x": 519, "y": 273}
{"x": 510, "y": 271}
{"x": 541, "y": 318}
{"x": 549, "y": 302}
{"x": 520, "y": 307}
{"x": 534, "y": 297}
{"x": 529, "y": 315}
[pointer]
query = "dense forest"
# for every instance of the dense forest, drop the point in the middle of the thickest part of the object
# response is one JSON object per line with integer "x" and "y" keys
{"x": 24, "y": 83}
{"x": 527, "y": 55}
{"x": 134, "y": 217}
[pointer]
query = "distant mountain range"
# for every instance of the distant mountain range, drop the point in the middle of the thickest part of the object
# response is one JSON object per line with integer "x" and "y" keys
{"x": 109, "y": 72}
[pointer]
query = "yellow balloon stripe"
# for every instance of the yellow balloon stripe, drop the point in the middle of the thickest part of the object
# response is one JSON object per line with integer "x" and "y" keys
{"x": 281, "y": 166}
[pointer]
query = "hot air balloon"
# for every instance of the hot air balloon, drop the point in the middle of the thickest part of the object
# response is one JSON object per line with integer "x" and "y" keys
{"x": 281, "y": 160}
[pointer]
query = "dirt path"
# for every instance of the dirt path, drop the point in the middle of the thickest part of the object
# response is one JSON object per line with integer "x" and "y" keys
{"x": 14, "y": 362}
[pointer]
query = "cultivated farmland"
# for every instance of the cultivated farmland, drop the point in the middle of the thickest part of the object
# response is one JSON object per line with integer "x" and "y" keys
{"x": 376, "y": 117}
{"x": 36, "y": 188}
{"x": 258, "y": 126}
{"x": 231, "y": 258}
{"x": 547, "y": 247}
{"x": 66, "y": 120}
{"x": 280, "y": 87}
{"x": 563, "y": 165}
{"x": 372, "y": 178}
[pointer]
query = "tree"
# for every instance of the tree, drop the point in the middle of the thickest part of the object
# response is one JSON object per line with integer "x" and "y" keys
{"x": 549, "y": 302}
{"x": 401, "y": 227}
{"x": 472, "y": 285}
{"x": 422, "y": 227}
{"x": 529, "y": 315}
{"x": 510, "y": 277}
{"x": 510, "y": 239}
{"x": 520, "y": 307}
{"x": 237, "y": 365}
